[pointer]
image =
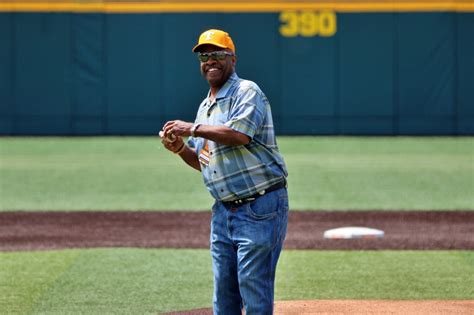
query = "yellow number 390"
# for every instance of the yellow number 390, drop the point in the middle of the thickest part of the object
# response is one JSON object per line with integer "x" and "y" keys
{"x": 308, "y": 23}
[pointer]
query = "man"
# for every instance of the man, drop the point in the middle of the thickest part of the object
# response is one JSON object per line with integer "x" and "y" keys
{"x": 232, "y": 143}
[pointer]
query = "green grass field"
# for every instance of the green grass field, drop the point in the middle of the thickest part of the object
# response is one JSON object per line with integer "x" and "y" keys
{"x": 144, "y": 281}
{"x": 327, "y": 173}
{"x": 137, "y": 174}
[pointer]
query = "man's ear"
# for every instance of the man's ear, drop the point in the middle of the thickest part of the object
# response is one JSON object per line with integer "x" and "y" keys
{"x": 234, "y": 60}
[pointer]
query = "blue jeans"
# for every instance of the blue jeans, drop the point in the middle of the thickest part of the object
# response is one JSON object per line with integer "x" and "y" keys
{"x": 246, "y": 242}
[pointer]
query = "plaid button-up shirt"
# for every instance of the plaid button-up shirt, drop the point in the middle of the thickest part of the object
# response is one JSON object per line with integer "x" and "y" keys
{"x": 235, "y": 172}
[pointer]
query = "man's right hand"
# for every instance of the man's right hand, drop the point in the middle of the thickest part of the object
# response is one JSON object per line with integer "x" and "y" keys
{"x": 173, "y": 146}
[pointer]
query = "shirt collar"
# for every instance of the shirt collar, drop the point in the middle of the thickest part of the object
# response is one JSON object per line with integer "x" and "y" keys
{"x": 225, "y": 88}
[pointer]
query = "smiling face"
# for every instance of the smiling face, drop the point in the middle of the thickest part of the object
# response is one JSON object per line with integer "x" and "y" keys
{"x": 217, "y": 72}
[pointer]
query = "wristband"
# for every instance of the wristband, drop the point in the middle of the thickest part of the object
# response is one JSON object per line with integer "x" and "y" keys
{"x": 181, "y": 149}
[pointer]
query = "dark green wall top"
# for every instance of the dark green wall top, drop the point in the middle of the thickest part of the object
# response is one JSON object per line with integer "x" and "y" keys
{"x": 386, "y": 73}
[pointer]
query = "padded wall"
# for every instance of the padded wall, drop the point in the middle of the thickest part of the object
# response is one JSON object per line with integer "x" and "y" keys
{"x": 94, "y": 73}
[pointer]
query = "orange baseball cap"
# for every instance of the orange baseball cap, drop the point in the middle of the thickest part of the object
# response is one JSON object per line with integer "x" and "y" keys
{"x": 217, "y": 38}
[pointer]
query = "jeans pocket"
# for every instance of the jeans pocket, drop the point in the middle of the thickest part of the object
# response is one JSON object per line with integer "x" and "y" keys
{"x": 264, "y": 207}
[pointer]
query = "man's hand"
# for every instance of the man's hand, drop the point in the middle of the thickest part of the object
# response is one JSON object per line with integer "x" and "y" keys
{"x": 172, "y": 146}
{"x": 171, "y": 137}
{"x": 177, "y": 145}
{"x": 177, "y": 128}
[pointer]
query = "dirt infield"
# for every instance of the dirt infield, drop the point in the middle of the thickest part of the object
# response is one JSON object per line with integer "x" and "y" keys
{"x": 403, "y": 230}
{"x": 361, "y": 307}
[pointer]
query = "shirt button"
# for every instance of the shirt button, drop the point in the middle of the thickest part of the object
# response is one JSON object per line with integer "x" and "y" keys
{"x": 222, "y": 190}
{"x": 215, "y": 172}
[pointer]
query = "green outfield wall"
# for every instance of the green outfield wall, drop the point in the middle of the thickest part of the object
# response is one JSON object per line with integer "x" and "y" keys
{"x": 83, "y": 70}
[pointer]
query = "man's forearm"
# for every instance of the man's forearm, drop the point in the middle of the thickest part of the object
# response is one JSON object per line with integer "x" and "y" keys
{"x": 189, "y": 156}
{"x": 219, "y": 134}
{"x": 222, "y": 135}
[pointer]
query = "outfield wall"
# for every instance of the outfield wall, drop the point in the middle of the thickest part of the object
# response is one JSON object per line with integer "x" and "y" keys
{"x": 330, "y": 69}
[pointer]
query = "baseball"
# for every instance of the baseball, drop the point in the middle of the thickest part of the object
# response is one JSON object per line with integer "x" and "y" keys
{"x": 170, "y": 138}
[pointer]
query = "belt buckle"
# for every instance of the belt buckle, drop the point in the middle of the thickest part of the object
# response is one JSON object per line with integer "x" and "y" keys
{"x": 245, "y": 200}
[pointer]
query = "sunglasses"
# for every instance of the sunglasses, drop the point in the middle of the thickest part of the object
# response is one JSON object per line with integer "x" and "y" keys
{"x": 216, "y": 55}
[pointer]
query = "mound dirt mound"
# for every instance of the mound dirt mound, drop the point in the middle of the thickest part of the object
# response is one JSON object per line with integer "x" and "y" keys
{"x": 360, "y": 307}
{"x": 373, "y": 307}
{"x": 403, "y": 229}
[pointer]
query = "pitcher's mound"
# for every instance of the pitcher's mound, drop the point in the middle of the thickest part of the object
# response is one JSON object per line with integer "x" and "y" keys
{"x": 373, "y": 307}
{"x": 362, "y": 307}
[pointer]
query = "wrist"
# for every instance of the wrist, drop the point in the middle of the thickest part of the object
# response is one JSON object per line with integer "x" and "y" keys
{"x": 181, "y": 149}
{"x": 194, "y": 128}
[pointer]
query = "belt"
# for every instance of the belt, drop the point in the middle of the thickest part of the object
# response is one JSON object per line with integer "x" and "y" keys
{"x": 242, "y": 201}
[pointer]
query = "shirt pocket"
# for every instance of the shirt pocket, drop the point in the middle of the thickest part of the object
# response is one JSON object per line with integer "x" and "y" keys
{"x": 222, "y": 111}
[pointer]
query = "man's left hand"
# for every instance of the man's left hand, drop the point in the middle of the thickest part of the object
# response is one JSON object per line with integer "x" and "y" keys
{"x": 178, "y": 128}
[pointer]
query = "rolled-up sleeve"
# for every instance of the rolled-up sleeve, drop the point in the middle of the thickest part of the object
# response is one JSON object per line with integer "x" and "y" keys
{"x": 192, "y": 144}
{"x": 247, "y": 112}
